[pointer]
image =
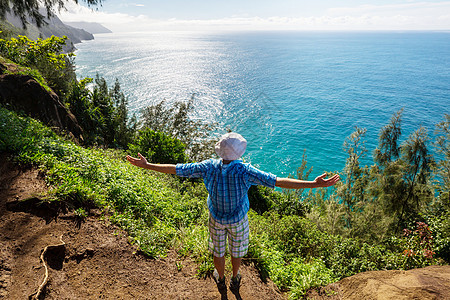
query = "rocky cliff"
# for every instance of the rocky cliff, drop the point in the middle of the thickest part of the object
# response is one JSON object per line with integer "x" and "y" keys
{"x": 24, "y": 93}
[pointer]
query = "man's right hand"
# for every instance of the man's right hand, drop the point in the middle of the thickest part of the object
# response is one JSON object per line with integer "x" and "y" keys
{"x": 138, "y": 162}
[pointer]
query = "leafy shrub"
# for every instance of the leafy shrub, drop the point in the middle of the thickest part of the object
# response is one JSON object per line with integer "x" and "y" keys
{"x": 177, "y": 121}
{"x": 263, "y": 199}
{"x": 418, "y": 247}
{"x": 80, "y": 213}
{"x": 281, "y": 244}
{"x": 158, "y": 147}
{"x": 280, "y": 260}
{"x": 308, "y": 275}
{"x": 297, "y": 235}
{"x": 46, "y": 56}
{"x": 440, "y": 227}
{"x": 260, "y": 198}
{"x": 19, "y": 134}
{"x": 350, "y": 256}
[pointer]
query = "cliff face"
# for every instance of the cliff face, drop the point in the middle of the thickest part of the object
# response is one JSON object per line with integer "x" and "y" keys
{"x": 24, "y": 93}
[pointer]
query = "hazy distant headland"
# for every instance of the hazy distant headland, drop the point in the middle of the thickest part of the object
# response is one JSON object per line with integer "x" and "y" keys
{"x": 91, "y": 27}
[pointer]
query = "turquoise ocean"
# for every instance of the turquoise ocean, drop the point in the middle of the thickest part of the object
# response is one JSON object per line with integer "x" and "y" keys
{"x": 285, "y": 92}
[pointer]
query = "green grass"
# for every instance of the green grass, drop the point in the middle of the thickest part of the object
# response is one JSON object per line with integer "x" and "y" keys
{"x": 152, "y": 207}
{"x": 161, "y": 212}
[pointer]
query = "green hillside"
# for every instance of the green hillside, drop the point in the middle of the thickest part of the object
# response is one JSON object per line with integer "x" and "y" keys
{"x": 11, "y": 26}
{"x": 391, "y": 215}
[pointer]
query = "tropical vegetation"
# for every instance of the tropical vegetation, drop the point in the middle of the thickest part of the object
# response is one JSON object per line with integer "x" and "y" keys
{"x": 393, "y": 214}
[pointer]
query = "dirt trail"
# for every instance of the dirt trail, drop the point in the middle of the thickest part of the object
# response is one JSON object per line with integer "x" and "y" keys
{"x": 98, "y": 262}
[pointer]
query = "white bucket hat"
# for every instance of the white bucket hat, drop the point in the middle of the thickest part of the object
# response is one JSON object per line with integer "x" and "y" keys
{"x": 231, "y": 146}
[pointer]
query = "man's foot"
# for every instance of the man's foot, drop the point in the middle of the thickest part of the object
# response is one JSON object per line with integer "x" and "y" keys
{"x": 221, "y": 285}
{"x": 235, "y": 284}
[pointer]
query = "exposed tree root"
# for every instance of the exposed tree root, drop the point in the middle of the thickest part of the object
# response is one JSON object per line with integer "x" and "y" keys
{"x": 36, "y": 295}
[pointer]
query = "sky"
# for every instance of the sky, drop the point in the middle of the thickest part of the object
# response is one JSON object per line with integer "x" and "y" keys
{"x": 152, "y": 15}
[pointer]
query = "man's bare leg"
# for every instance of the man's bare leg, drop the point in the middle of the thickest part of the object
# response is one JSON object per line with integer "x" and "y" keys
{"x": 236, "y": 263}
{"x": 219, "y": 264}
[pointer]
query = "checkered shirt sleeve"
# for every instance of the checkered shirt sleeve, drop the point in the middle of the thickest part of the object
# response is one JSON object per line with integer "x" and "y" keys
{"x": 192, "y": 170}
{"x": 258, "y": 177}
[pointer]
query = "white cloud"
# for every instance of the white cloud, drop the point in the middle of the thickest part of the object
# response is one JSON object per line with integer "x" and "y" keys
{"x": 411, "y": 15}
{"x": 411, "y": 8}
{"x": 408, "y": 16}
{"x": 76, "y": 12}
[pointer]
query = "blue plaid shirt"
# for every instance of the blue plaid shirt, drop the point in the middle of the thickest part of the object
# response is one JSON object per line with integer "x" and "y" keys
{"x": 227, "y": 186}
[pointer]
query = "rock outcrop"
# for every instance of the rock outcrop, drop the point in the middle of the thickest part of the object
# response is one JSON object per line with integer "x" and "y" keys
{"x": 432, "y": 282}
{"x": 24, "y": 93}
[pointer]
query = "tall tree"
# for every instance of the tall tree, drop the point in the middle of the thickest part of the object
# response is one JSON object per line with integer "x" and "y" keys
{"x": 102, "y": 113}
{"x": 389, "y": 148}
{"x": 443, "y": 165}
{"x": 124, "y": 127}
{"x": 417, "y": 173}
{"x": 402, "y": 173}
{"x": 352, "y": 189}
{"x": 29, "y": 9}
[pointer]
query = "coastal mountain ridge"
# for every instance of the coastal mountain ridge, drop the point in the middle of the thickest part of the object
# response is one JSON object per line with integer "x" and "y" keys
{"x": 91, "y": 27}
{"x": 76, "y": 32}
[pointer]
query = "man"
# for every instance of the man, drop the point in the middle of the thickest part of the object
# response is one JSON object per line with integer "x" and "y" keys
{"x": 227, "y": 181}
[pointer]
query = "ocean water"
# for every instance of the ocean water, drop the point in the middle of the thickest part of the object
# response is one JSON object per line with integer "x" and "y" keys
{"x": 285, "y": 92}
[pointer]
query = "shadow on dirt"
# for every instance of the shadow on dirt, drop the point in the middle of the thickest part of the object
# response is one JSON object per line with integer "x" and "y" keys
{"x": 46, "y": 210}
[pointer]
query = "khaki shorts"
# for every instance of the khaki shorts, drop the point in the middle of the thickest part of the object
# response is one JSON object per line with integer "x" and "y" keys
{"x": 238, "y": 237}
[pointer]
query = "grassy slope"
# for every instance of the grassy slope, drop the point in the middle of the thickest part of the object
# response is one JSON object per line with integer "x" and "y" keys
{"x": 139, "y": 200}
{"x": 161, "y": 212}
{"x": 158, "y": 211}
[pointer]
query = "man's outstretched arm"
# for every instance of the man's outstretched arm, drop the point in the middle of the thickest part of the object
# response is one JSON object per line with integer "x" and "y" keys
{"x": 320, "y": 181}
{"x": 143, "y": 163}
